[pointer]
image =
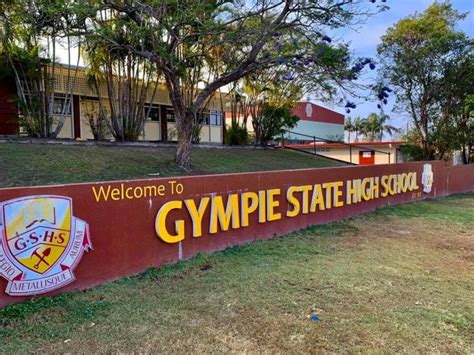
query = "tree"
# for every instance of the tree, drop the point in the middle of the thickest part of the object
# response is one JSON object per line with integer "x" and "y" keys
{"x": 415, "y": 54}
{"x": 131, "y": 83}
{"x": 177, "y": 34}
{"x": 349, "y": 127}
{"x": 466, "y": 132}
{"x": 385, "y": 127}
{"x": 275, "y": 88}
{"x": 453, "y": 130}
{"x": 374, "y": 127}
{"x": 371, "y": 127}
{"x": 31, "y": 32}
{"x": 273, "y": 121}
{"x": 358, "y": 128}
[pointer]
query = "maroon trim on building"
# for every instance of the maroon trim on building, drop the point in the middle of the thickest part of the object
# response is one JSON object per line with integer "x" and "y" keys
{"x": 318, "y": 114}
{"x": 164, "y": 123}
{"x": 9, "y": 123}
{"x": 389, "y": 144}
{"x": 76, "y": 114}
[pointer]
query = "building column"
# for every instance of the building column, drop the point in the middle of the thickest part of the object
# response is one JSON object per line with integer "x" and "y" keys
{"x": 76, "y": 115}
{"x": 164, "y": 124}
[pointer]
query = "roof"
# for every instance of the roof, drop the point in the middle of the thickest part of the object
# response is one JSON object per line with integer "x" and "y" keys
{"x": 390, "y": 144}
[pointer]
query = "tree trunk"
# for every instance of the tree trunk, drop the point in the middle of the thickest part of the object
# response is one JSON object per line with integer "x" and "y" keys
{"x": 185, "y": 128}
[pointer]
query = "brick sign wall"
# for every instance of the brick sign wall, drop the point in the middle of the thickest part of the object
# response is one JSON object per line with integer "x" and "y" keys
{"x": 60, "y": 238}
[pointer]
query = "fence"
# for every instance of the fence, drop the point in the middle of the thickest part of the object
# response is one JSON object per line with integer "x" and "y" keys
{"x": 314, "y": 148}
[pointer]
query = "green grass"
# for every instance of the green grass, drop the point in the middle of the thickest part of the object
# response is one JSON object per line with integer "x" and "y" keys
{"x": 35, "y": 164}
{"x": 397, "y": 280}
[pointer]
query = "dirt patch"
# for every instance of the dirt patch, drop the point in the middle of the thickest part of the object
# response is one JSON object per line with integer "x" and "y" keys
{"x": 461, "y": 242}
{"x": 452, "y": 244}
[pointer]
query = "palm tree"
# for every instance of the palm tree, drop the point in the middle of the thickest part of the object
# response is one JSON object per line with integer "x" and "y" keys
{"x": 371, "y": 127}
{"x": 386, "y": 128}
{"x": 374, "y": 126}
{"x": 349, "y": 127}
{"x": 358, "y": 128}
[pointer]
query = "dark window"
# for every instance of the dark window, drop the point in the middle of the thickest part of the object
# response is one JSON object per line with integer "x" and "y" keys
{"x": 170, "y": 115}
{"x": 153, "y": 114}
{"x": 203, "y": 117}
{"x": 62, "y": 106}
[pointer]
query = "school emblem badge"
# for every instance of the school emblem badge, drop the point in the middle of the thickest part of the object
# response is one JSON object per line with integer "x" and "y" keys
{"x": 41, "y": 243}
{"x": 427, "y": 178}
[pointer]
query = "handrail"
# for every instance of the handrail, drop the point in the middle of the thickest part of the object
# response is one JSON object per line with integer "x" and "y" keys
{"x": 350, "y": 145}
{"x": 320, "y": 155}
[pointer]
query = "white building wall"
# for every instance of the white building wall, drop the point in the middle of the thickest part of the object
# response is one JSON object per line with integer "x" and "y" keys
{"x": 330, "y": 131}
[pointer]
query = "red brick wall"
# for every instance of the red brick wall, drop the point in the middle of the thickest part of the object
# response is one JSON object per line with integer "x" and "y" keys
{"x": 8, "y": 113}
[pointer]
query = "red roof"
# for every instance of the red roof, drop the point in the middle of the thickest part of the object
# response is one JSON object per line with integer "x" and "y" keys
{"x": 340, "y": 145}
{"x": 307, "y": 111}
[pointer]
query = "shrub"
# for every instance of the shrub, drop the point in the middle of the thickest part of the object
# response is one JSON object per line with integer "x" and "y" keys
{"x": 236, "y": 135}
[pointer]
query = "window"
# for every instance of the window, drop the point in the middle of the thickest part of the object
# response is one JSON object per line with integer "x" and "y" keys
{"x": 62, "y": 106}
{"x": 215, "y": 118}
{"x": 203, "y": 117}
{"x": 153, "y": 113}
{"x": 170, "y": 115}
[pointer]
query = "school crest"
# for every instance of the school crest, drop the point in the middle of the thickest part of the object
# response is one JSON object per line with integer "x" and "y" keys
{"x": 41, "y": 243}
{"x": 427, "y": 178}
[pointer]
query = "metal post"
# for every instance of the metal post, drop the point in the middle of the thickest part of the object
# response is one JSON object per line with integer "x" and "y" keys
{"x": 314, "y": 144}
{"x": 350, "y": 152}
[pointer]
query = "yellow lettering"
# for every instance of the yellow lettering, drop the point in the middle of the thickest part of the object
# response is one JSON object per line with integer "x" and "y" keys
{"x": 328, "y": 186}
{"x": 140, "y": 192}
{"x": 149, "y": 191}
{"x": 375, "y": 187}
{"x": 262, "y": 214}
{"x": 351, "y": 192}
{"x": 317, "y": 199}
{"x": 293, "y": 201}
{"x": 338, "y": 202}
{"x": 161, "y": 190}
{"x": 224, "y": 216}
{"x": 366, "y": 190}
{"x": 249, "y": 203}
{"x": 385, "y": 186}
{"x": 160, "y": 223}
{"x": 272, "y": 203}
{"x": 391, "y": 184}
{"x": 197, "y": 214}
{"x": 101, "y": 193}
{"x": 115, "y": 194}
{"x": 305, "y": 197}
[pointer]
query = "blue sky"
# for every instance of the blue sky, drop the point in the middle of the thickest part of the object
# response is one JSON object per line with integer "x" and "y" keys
{"x": 366, "y": 37}
{"x": 364, "y": 43}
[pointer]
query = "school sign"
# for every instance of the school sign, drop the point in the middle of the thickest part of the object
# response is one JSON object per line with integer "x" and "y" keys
{"x": 77, "y": 236}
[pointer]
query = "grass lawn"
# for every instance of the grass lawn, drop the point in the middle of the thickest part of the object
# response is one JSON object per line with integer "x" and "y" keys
{"x": 397, "y": 280}
{"x": 35, "y": 164}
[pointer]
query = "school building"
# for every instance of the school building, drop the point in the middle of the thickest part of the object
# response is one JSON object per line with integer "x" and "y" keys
{"x": 316, "y": 125}
{"x": 160, "y": 124}
{"x": 314, "y": 122}
{"x": 358, "y": 153}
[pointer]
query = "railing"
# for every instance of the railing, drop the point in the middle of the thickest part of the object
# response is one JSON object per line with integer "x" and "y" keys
{"x": 316, "y": 139}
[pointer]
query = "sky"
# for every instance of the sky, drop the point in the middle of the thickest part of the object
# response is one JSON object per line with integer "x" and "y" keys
{"x": 364, "y": 43}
